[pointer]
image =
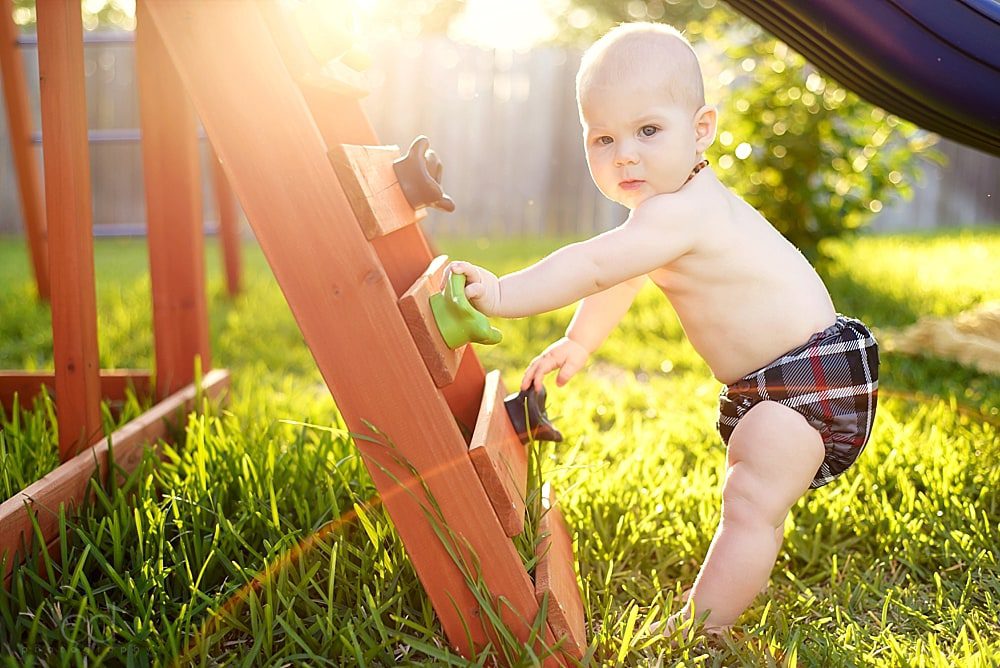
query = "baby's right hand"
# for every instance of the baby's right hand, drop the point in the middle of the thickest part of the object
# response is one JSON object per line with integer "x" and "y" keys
{"x": 565, "y": 354}
{"x": 482, "y": 287}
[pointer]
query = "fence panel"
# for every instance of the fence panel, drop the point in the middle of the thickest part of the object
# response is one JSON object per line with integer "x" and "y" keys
{"x": 505, "y": 125}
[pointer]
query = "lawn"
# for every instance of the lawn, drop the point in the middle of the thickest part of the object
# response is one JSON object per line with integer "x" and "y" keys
{"x": 893, "y": 564}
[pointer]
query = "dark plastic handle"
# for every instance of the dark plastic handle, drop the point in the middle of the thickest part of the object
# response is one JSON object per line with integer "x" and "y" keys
{"x": 531, "y": 405}
{"x": 419, "y": 174}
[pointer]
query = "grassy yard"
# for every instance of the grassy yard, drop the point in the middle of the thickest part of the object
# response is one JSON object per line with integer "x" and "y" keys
{"x": 894, "y": 564}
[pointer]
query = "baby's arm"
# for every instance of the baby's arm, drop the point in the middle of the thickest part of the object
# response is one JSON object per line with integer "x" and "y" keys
{"x": 599, "y": 313}
{"x": 656, "y": 233}
{"x": 596, "y": 316}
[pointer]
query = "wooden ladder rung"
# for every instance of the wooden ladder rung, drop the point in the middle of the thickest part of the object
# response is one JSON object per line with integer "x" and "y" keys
{"x": 369, "y": 181}
{"x": 442, "y": 362}
{"x": 555, "y": 578}
{"x": 500, "y": 458}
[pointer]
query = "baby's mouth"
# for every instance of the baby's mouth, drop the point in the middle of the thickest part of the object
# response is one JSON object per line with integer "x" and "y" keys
{"x": 630, "y": 184}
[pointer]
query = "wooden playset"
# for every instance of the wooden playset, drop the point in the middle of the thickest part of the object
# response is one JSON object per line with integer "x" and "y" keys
{"x": 337, "y": 220}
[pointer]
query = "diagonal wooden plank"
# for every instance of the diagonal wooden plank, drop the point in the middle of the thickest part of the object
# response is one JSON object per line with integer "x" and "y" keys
{"x": 405, "y": 253}
{"x": 345, "y": 305}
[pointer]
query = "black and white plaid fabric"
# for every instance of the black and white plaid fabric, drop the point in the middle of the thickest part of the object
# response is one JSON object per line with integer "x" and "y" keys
{"x": 831, "y": 380}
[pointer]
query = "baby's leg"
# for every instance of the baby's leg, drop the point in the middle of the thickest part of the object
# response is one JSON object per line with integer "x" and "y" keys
{"x": 773, "y": 455}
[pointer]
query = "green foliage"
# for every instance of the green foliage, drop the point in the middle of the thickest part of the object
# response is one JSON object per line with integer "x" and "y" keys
{"x": 96, "y": 13}
{"x": 811, "y": 156}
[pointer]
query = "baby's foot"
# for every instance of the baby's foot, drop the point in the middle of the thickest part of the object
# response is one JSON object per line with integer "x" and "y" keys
{"x": 686, "y": 594}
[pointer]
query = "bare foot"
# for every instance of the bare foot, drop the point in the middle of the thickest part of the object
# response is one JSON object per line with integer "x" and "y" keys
{"x": 682, "y": 626}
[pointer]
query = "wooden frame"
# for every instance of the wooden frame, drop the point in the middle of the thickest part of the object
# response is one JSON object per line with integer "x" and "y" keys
{"x": 66, "y": 486}
{"x": 442, "y": 362}
{"x": 15, "y": 93}
{"x": 215, "y": 57}
{"x": 68, "y": 209}
{"x": 27, "y": 170}
{"x": 499, "y": 457}
{"x": 555, "y": 580}
{"x": 28, "y": 384}
{"x": 370, "y": 183}
{"x": 223, "y": 52}
{"x": 180, "y": 317}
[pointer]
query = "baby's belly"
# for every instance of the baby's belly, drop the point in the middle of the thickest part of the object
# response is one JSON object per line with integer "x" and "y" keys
{"x": 736, "y": 346}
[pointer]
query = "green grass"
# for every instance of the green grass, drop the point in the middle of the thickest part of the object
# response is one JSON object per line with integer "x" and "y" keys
{"x": 259, "y": 541}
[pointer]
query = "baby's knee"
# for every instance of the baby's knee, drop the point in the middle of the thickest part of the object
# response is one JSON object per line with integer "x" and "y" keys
{"x": 749, "y": 500}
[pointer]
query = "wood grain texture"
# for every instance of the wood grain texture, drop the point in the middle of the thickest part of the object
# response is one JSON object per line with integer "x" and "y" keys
{"x": 442, "y": 362}
{"x": 276, "y": 161}
{"x": 404, "y": 254}
{"x": 68, "y": 207}
{"x": 229, "y": 226}
{"x": 170, "y": 160}
{"x": 15, "y": 95}
{"x": 555, "y": 578}
{"x": 67, "y": 486}
{"x": 369, "y": 181}
{"x": 27, "y": 384}
{"x": 499, "y": 457}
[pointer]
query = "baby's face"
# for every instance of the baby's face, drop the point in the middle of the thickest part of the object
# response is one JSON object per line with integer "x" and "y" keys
{"x": 639, "y": 142}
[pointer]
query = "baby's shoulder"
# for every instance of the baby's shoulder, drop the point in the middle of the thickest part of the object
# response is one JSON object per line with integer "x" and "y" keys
{"x": 694, "y": 207}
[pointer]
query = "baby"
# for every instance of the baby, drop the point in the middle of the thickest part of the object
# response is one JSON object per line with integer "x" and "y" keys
{"x": 800, "y": 380}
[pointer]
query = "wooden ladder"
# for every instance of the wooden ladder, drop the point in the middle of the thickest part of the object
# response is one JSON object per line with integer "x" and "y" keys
{"x": 356, "y": 270}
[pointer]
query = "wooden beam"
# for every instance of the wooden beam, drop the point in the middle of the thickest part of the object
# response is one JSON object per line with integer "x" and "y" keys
{"x": 15, "y": 94}
{"x": 68, "y": 206}
{"x": 229, "y": 225}
{"x": 405, "y": 253}
{"x": 67, "y": 486}
{"x": 500, "y": 458}
{"x": 28, "y": 384}
{"x": 442, "y": 362}
{"x": 345, "y": 305}
{"x": 366, "y": 173}
{"x": 555, "y": 578}
{"x": 173, "y": 214}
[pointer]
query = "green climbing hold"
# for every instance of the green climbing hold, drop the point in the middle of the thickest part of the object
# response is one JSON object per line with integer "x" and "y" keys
{"x": 458, "y": 320}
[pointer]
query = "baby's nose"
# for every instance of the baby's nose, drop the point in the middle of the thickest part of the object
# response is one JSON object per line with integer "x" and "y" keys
{"x": 626, "y": 156}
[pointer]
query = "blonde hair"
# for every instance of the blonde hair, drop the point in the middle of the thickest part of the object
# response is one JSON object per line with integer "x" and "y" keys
{"x": 656, "y": 51}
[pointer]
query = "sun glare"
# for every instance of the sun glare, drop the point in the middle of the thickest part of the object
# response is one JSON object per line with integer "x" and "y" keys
{"x": 503, "y": 24}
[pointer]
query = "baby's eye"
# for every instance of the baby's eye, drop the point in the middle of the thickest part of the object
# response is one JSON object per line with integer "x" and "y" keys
{"x": 603, "y": 140}
{"x": 648, "y": 130}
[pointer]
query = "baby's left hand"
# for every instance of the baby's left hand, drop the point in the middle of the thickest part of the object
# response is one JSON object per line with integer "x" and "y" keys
{"x": 481, "y": 287}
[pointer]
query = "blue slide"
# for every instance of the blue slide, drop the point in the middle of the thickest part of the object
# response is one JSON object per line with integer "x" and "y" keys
{"x": 933, "y": 62}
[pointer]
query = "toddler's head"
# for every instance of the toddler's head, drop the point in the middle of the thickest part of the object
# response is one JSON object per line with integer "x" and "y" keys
{"x": 642, "y": 106}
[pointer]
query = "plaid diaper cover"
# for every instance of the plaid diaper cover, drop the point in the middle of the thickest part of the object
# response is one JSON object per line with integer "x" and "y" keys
{"x": 831, "y": 380}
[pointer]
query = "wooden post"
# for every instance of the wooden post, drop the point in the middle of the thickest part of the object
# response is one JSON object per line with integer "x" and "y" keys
{"x": 15, "y": 93}
{"x": 71, "y": 248}
{"x": 229, "y": 224}
{"x": 173, "y": 214}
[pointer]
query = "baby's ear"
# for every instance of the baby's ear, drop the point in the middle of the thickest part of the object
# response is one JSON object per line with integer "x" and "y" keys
{"x": 705, "y": 123}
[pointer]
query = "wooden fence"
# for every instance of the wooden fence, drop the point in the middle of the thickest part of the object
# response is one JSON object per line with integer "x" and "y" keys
{"x": 505, "y": 126}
